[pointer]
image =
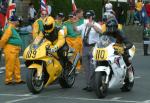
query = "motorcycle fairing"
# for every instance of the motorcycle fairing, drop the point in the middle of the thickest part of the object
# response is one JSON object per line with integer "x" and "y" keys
{"x": 37, "y": 51}
{"x": 105, "y": 69}
{"x": 38, "y": 67}
{"x": 54, "y": 70}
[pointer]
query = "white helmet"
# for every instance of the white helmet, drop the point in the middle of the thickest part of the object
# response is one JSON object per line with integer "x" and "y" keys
{"x": 108, "y": 7}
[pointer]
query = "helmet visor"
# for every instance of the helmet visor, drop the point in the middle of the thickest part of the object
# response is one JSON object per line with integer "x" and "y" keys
{"x": 48, "y": 27}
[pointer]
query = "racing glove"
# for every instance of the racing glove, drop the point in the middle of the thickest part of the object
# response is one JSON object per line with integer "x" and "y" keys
{"x": 54, "y": 49}
{"x": 127, "y": 44}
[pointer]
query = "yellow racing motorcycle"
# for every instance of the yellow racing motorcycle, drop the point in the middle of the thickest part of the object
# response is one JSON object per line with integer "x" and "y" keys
{"x": 44, "y": 67}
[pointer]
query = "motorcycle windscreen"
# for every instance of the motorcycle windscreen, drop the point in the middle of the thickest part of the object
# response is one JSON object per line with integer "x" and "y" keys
{"x": 100, "y": 52}
{"x": 105, "y": 41}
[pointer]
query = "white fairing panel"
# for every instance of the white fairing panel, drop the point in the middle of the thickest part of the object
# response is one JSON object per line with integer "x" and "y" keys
{"x": 103, "y": 68}
{"x": 132, "y": 52}
{"x": 111, "y": 50}
{"x": 119, "y": 70}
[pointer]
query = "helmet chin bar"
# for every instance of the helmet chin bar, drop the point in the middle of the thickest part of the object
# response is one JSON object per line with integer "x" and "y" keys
{"x": 48, "y": 24}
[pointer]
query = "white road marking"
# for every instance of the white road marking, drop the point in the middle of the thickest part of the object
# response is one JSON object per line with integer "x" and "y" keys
{"x": 17, "y": 95}
{"x": 146, "y": 101}
{"x": 22, "y": 99}
{"x": 1, "y": 72}
{"x": 116, "y": 98}
{"x": 102, "y": 100}
{"x": 30, "y": 96}
{"x": 137, "y": 77}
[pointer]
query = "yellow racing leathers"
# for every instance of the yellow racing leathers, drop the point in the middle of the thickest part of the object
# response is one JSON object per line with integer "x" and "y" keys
{"x": 11, "y": 43}
{"x": 61, "y": 39}
{"x": 57, "y": 39}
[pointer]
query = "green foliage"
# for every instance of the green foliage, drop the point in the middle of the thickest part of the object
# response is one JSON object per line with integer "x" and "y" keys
{"x": 65, "y": 6}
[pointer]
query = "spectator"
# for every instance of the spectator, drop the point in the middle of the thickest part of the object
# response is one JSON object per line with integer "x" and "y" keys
{"x": 31, "y": 13}
{"x": 1, "y": 33}
{"x": 25, "y": 32}
{"x": 130, "y": 12}
{"x": 90, "y": 34}
{"x": 109, "y": 8}
{"x": 80, "y": 21}
{"x": 79, "y": 15}
{"x": 147, "y": 7}
{"x": 144, "y": 16}
{"x": 11, "y": 43}
{"x": 59, "y": 19}
{"x": 138, "y": 7}
{"x": 38, "y": 25}
{"x": 120, "y": 14}
{"x": 146, "y": 39}
{"x": 73, "y": 37}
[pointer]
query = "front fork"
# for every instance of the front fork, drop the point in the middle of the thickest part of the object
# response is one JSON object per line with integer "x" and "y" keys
{"x": 104, "y": 69}
{"x": 75, "y": 61}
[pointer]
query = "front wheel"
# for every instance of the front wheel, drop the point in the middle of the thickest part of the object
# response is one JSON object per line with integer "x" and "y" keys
{"x": 100, "y": 86}
{"x": 35, "y": 85}
{"x": 128, "y": 85}
{"x": 68, "y": 77}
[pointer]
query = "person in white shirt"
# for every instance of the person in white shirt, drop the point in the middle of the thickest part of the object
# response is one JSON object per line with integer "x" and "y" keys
{"x": 31, "y": 13}
{"x": 90, "y": 31}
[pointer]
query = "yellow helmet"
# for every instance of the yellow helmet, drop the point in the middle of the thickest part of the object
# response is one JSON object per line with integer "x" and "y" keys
{"x": 49, "y": 23}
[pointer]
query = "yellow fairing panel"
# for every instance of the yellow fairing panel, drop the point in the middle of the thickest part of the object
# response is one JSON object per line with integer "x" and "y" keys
{"x": 100, "y": 54}
{"x": 54, "y": 69}
{"x": 31, "y": 53}
{"x": 38, "y": 67}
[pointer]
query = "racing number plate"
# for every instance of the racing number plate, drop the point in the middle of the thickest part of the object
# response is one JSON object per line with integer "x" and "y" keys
{"x": 101, "y": 54}
{"x": 31, "y": 54}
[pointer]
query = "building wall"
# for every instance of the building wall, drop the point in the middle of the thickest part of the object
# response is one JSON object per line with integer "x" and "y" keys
{"x": 22, "y": 8}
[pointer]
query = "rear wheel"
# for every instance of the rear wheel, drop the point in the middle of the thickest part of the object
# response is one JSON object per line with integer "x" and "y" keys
{"x": 35, "y": 85}
{"x": 68, "y": 78}
{"x": 100, "y": 86}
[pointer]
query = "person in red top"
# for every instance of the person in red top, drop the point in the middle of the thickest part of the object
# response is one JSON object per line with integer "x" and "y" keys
{"x": 130, "y": 12}
{"x": 147, "y": 7}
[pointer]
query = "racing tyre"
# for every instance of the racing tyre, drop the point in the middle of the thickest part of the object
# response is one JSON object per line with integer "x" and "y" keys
{"x": 66, "y": 80}
{"x": 128, "y": 85}
{"x": 33, "y": 83}
{"x": 100, "y": 86}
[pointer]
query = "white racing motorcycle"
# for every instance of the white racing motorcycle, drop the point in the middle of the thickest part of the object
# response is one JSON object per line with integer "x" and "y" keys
{"x": 110, "y": 68}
